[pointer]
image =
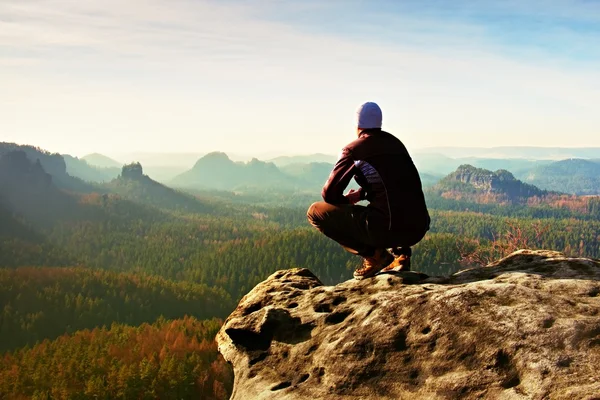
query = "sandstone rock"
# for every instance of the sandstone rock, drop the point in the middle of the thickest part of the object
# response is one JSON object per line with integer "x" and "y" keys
{"x": 526, "y": 327}
{"x": 132, "y": 171}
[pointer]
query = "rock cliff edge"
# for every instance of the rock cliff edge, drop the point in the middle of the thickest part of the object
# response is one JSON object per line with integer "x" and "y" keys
{"x": 525, "y": 327}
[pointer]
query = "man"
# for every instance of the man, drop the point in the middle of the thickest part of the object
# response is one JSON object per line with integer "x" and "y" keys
{"x": 396, "y": 216}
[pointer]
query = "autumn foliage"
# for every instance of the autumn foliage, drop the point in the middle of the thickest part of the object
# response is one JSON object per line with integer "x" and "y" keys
{"x": 170, "y": 359}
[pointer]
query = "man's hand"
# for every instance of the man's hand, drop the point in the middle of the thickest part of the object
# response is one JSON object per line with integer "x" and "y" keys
{"x": 353, "y": 196}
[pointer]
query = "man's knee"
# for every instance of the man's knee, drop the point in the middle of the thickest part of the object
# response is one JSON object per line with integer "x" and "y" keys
{"x": 316, "y": 213}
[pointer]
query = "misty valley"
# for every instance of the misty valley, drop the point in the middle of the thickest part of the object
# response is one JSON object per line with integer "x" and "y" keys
{"x": 115, "y": 277}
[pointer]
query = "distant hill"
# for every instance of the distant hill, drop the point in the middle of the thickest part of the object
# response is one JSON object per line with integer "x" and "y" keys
{"x": 574, "y": 176}
{"x": 216, "y": 170}
{"x": 29, "y": 200}
{"x": 314, "y": 174}
{"x": 80, "y": 168}
{"x": 133, "y": 185}
{"x": 163, "y": 174}
{"x": 527, "y": 152}
{"x": 428, "y": 180}
{"x": 101, "y": 161}
{"x": 53, "y": 163}
{"x": 27, "y": 191}
{"x": 35, "y": 215}
{"x": 27, "y": 188}
{"x": 306, "y": 159}
{"x": 469, "y": 182}
{"x": 435, "y": 163}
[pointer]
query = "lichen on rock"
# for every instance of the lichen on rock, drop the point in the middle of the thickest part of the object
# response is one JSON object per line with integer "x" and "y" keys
{"x": 525, "y": 327}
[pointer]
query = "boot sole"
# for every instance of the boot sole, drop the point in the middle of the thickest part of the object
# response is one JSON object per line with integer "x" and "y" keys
{"x": 369, "y": 275}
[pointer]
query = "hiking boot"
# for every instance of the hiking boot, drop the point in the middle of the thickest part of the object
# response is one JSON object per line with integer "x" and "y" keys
{"x": 399, "y": 251}
{"x": 374, "y": 264}
{"x": 400, "y": 263}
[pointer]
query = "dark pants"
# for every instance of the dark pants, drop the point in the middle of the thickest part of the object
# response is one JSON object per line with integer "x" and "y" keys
{"x": 349, "y": 226}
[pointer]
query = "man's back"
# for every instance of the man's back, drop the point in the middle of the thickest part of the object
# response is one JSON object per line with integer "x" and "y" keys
{"x": 396, "y": 217}
{"x": 383, "y": 168}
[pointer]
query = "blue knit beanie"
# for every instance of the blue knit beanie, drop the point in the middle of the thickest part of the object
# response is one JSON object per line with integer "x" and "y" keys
{"x": 368, "y": 116}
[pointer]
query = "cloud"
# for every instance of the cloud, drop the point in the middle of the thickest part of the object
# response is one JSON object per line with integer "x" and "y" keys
{"x": 445, "y": 67}
{"x": 221, "y": 32}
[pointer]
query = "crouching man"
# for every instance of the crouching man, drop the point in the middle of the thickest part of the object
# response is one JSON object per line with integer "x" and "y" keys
{"x": 396, "y": 217}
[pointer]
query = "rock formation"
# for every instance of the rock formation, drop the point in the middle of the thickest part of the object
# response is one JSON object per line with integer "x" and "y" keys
{"x": 133, "y": 171}
{"x": 16, "y": 168}
{"x": 469, "y": 179}
{"x": 53, "y": 164}
{"x": 526, "y": 327}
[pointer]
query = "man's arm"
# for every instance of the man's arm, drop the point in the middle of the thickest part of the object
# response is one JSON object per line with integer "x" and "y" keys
{"x": 343, "y": 171}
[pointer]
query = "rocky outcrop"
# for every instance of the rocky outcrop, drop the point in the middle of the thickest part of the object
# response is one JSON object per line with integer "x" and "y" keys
{"x": 468, "y": 179}
{"x": 477, "y": 177}
{"x": 526, "y": 327}
{"x": 133, "y": 171}
{"x": 53, "y": 164}
{"x": 16, "y": 168}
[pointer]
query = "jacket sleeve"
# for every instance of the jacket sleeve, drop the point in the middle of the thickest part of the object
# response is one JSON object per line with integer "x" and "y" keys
{"x": 343, "y": 171}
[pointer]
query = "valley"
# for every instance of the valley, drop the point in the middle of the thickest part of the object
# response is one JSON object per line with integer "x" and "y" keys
{"x": 129, "y": 261}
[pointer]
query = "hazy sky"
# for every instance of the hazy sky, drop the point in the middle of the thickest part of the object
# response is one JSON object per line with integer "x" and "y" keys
{"x": 256, "y": 77}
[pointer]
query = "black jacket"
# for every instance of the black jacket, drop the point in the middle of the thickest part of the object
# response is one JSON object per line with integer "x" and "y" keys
{"x": 381, "y": 165}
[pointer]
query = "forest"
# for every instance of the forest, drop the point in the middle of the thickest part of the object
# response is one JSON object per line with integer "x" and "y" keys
{"x": 168, "y": 359}
{"x": 44, "y": 303}
{"x": 134, "y": 277}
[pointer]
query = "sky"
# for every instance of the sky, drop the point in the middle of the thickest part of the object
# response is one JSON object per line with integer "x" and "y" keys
{"x": 270, "y": 77}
